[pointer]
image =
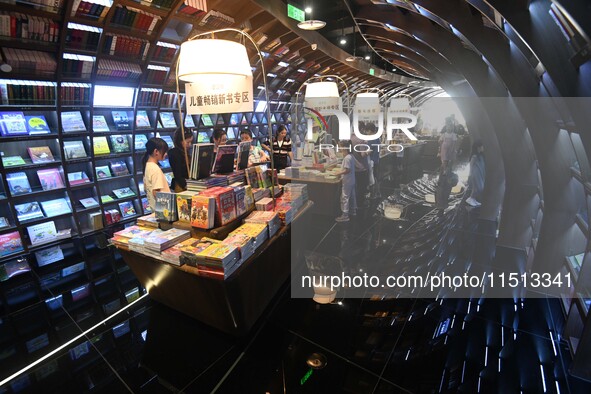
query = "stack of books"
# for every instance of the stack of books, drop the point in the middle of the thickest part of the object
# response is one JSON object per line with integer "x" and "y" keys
{"x": 158, "y": 240}
{"x": 260, "y": 193}
{"x": 285, "y": 211}
{"x": 173, "y": 254}
{"x": 166, "y": 208}
{"x": 257, "y": 231}
{"x": 264, "y": 204}
{"x": 121, "y": 238}
{"x": 218, "y": 260}
{"x": 225, "y": 204}
{"x": 196, "y": 186}
{"x": 189, "y": 252}
{"x": 148, "y": 221}
{"x": 297, "y": 193}
{"x": 271, "y": 219}
{"x": 244, "y": 243}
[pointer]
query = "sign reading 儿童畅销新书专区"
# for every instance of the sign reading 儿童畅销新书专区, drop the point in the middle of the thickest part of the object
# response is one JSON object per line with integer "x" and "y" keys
{"x": 233, "y": 95}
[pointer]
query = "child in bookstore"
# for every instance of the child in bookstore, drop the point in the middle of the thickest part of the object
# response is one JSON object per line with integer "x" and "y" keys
{"x": 179, "y": 161}
{"x": 219, "y": 137}
{"x": 348, "y": 198}
{"x": 154, "y": 179}
{"x": 257, "y": 154}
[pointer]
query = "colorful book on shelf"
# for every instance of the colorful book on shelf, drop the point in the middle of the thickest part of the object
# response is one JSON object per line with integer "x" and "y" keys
{"x": 127, "y": 209}
{"x": 183, "y": 205}
{"x": 252, "y": 177}
{"x": 18, "y": 183}
{"x": 37, "y": 124}
{"x": 13, "y": 268}
{"x": 123, "y": 192}
{"x": 99, "y": 123}
{"x": 78, "y": 178}
{"x": 141, "y": 188}
{"x": 49, "y": 255}
{"x": 11, "y": 161}
{"x": 203, "y": 211}
{"x": 119, "y": 168}
{"x": 100, "y": 146}
{"x": 189, "y": 122}
{"x": 168, "y": 140}
{"x": 121, "y": 120}
{"x": 4, "y": 222}
{"x": 10, "y": 243}
{"x": 142, "y": 120}
{"x": 112, "y": 216}
{"x": 202, "y": 161}
{"x": 56, "y": 207}
{"x": 106, "y": 198}
{"x": 74, "y": 150}
{"x": 239, "y": 196}
{"x": 103, "y": 172}
{"x": 168, "y": 176}
{"x": 140, "y": 142}
{"x": 166, "y": 207}
{"x": 225, "y": 204}
{"x": 120, "y": 143}
{"x": 146, "y": 205}
{"x": 13, "y": 123}
{"x": 40, "y": 154}
{"x": 42, "y": 233}
{"x": 168, "y": 121}
{"x": 72, "y": 122}
{"x": 28, "y": 211}
{"x": 50, "y": 179}
{"x": 89, "y": 202}
{"x": 164, "y": 164}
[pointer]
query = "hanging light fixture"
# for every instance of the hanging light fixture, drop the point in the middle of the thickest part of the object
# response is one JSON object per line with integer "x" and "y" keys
{"x": 311, "y": 24}
{"x": 322, "y": 89}
{"x": 225, "y": 58}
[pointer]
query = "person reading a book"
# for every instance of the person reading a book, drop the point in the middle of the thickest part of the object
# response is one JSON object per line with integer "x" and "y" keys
{"x": 219, "y": 137}
{"x": 257, "y": 154}
{"x": 178, "y": 158}
{"x": 154, "y": 179}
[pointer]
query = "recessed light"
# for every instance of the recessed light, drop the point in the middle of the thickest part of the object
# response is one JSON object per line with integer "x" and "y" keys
{"x": 312, "y": 24}
{"x": 367, "y": 57}
{"x": 343, "y": 41}
{"x": 308, "y": 10}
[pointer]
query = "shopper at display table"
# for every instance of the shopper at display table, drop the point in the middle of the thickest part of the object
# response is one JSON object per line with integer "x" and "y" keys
{"x": 154, "y": 179}
{"x": 257, "y": 154}
{"x": 281, "y": 148}
{"x": 219, "y": 137}
{"x": 178, "y": 157}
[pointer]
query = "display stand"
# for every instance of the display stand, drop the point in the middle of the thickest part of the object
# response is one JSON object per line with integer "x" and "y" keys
{"x": 232, "y": 305}
{"x": 326, "y": 194}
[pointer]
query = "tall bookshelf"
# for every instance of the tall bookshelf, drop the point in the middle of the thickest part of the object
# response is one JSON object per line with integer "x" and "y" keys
{"x": 79, "y": 45}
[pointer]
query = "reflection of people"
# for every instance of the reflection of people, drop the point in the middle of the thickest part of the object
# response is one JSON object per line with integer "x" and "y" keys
{"x": 447, "y": 180}
{"x": 448, "y": 141}
{"x": 154, "y": 179}
{"x": 179, "y": 160}
{"x": 477, "y": 174}
{"x": 257, "y": 154}
{"x": 348, "y": 196}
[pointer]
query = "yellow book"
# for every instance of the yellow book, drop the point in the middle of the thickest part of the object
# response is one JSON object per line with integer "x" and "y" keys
{"x": 100, "y": 146}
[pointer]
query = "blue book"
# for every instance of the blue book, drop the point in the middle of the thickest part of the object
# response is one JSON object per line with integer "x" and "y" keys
{"x": 13, "y": 123}
{"x": 37, "y": 124}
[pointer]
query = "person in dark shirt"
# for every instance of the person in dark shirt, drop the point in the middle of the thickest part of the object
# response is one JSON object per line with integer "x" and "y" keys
{"x": 281, "y": 149}
{"x": 179, "y": 160}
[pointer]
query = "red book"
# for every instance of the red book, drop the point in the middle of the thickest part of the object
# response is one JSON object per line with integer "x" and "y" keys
{"x": 202, "y": 211}
{"x": 225, "y": 204}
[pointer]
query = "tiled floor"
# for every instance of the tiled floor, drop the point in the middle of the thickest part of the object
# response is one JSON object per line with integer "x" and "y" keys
{"x": 416, "y": 344}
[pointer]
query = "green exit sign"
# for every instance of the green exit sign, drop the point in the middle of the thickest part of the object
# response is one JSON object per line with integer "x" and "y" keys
{"x": 296, "y": 13}
{"x": 372, "y": 71}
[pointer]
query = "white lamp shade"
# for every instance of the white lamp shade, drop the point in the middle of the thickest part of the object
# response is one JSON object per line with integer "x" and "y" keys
{"x": 212, "y": 57}
{"x": 322, "y": 89}
{"x": 367, "y": 99}
{"x": 400, "y": 104}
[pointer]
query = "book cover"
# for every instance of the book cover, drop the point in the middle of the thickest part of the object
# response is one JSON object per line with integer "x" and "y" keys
{"x": 28, "y": 211}
{"x": 189, "y": 122}
{"x": 225, "y": 204}
{"x": 140, "y": 142}
{"x": 141, "y": 187}
{"x": 168, "y": 176}
{"x": 146, "y": 205}
{"x": 41, "y": 233}
{"x": 183, "y": 204}
{"x": 37, "y": 124}
{"x": 78, "y": 178}
{"x": 166, "y": 207}
{"x": 40, "y": 154}
{"x": 11, "y": 161}
{"x": 203, "y": 211}
{"x": 89, "y": 202}
{"x": 142, "y": 120}
{"x": 50, "y": 179}
{"x": 103, "y": 172}
{"x": 121, "y": 120}
{"x": 120, "y": 143}
{"x": 168, "y": 140}
{"x": 99, "y": 123}
{"x": 123, "y": 192}
{"x": 239, "y": 195}
{"x": 202, "y": 161}
{"x": 119, "y": 168}
{"x": 100, "y": 146}
{"x": 72, "y": 122}
{"x": 252, "y": 178}
{"x": 10, "y": 243}
{"x": 168, "y": 121}
{"x": 4, "y": 222}
{"x": 56, "y": 207}
{"x": 18, "y": 183}
{"x": 127, "y": 209}
{"x": 74, "y": 150}
{"x": 49, "y": 255}
{"x": 13, "y": 268}
{"x": 13, "y": 123}
{"x": 164, "y": 164}
{"x": 106, "y": 198}
{"x": 224, "y": 159}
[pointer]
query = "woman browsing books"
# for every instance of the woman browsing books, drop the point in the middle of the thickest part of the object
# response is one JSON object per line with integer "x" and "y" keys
{"x": 178, "y": 158}
{"x": 154, "y": 179}
{"x": 257, "y": 154}
{"x": 219, "y": 137}
{"x": 281, "y": 148}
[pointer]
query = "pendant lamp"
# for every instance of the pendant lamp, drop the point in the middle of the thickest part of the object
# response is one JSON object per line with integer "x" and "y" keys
{"x": 212, "y": 57}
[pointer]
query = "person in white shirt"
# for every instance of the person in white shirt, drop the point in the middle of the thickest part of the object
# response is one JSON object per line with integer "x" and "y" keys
{"x": 154, "y": 179}
{"x": 348, "y": 195}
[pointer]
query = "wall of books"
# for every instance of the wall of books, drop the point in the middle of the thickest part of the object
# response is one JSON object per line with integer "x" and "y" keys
{"x": 90, "y": 83}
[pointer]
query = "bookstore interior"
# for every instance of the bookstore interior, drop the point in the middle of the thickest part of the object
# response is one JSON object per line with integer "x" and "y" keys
{"x": 264, "y": 196}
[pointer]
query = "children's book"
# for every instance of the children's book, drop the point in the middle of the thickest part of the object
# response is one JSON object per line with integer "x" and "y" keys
{"x": 78, "y": 178}
{"x": 18, "y": 183}
{"x": 120, "y": 143}
{"x": 103, "y": 172}
{"x": 42, "y": 233}
{"x": 49, "y": 255}
{"x": 37, "y": 124}
{"x": 10, "y": 243}
{"x": 11, "y": 161}
{"x": 40, "y": 154}
{"x": 166, "y": 207}
{"x": 28, "y": 211}
{"x": 203, "y": 211}
{"x": 121, "y": 120}
{"x": 119, "y": 168}
{"x": 72, "y": 122}
{"x": 99, "y": 123}
{"x": 56, "y": 207}
{"x": 146, "y": 205}
{"x": 50, "y": 179}
{"x": 89, "y": 202}
{"x": 140, "y": 142}
{"x": 74, "y": 150}
{"x": 13, "y": 123}
{"x": 183, "y": 204}
{"x": 168, "y": 140}
{"x": 127, "y": 209}
{"x": 123, "y": 193}
{"x": 142, "y": 120}
{"x": 100, "y": 146}
{"x": 168, "y": 121}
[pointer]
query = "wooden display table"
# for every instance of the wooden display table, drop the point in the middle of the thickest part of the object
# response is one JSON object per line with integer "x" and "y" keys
{"x": 232, "y": 305}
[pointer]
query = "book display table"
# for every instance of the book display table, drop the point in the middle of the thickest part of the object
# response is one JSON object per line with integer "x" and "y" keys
{"x": 232, "y": 305}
